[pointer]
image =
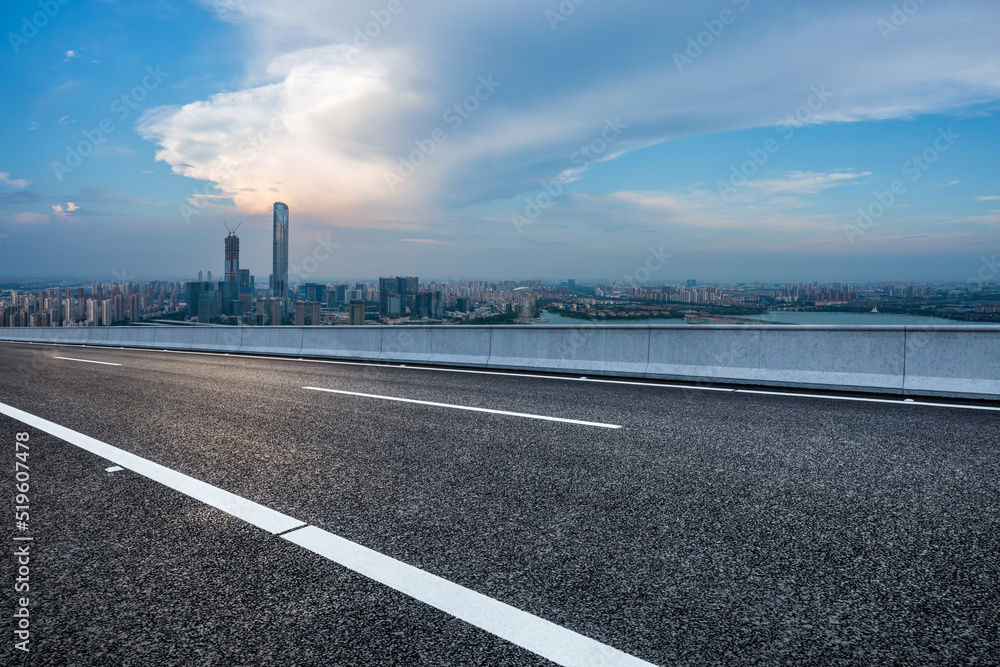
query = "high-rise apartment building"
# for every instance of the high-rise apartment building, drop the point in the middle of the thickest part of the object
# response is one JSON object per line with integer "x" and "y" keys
{"x": 307, "y": 313}
{"x": 269, "y": 312}
{"x": 356, "y": 314}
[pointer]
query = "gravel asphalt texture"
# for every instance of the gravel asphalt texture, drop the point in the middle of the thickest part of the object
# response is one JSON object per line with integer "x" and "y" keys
{"x": 713, "y": 528}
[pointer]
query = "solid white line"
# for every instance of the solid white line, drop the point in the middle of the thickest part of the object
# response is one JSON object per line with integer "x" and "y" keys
{"x": 867, "y": 400}
{"x": 558, "y": 644}
{"x": 528, "y": 631}
{"x": 466, "y": 407}
{"x": 241, "y": 508}
{"x": 827, "y": 397}
{"x": 88, "y": 361}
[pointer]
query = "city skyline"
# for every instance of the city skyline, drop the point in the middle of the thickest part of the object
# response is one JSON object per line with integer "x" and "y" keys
{"x": 747, "y": 142}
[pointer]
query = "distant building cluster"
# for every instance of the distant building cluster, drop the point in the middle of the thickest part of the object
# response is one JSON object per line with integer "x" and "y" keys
{"x": 101, "y": 304}
{"x": 238, "y": 299}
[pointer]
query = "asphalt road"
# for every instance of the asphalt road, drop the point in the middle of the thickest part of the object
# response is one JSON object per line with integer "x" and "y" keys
{"x": 712, "y": 527}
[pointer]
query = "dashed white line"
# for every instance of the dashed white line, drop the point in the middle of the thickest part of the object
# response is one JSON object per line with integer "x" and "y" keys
{"x": 467, "y": 407}
{"x": 88, "y": 361}
{"x": 551, "y": 641}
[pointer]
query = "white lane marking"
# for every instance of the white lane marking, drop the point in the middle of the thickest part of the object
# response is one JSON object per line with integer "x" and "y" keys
{"x": 114, "y": 469}
{"x": 558, "y": 644}
{"x": 661, "y": 385}
{"x": 88, "y": 361}
{"x": 466, "y": 407}
{"x": 905, "y": 401}
{"x": 241, "y": 508}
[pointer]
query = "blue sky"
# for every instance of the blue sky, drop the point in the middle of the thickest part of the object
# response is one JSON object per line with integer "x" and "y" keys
{"x": 503, "y": 140}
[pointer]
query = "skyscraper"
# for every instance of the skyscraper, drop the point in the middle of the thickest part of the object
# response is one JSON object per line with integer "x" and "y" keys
{"x": 280, "y": 255}
{"x": 408, "y": 293}
{"x": 232, "y": 256}
{"x": 386, "y": 286}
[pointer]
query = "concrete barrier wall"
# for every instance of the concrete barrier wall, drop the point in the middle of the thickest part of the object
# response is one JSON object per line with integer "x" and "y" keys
{"x": 356, "y": 343}
{"x": 282, "y": 341}
{"x": 951, "y": 362}
{"x": 619, "y": 351}
{"x": 956, "y": 360}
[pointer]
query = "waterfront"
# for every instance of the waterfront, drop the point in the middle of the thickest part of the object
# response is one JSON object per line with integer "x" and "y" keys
{"x": 780, "y": 317}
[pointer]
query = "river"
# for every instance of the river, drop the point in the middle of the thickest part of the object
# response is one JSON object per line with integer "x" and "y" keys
{"x": 787, "y": 317}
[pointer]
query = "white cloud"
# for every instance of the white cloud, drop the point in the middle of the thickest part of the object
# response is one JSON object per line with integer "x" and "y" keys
{"x": 806, "y": 182}
{"x": 5, "y": 179}
{"x": 988, "y": 198}
{"x": 349, "y": 114}
{"x": 702, "y": 209}
{"x": 316, "y": 139}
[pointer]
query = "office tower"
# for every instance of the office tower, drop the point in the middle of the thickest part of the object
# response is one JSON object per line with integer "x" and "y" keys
{"x": 209, "y": 277}
{"x": 201, "y": 277}
{"x": 691, "y": 283}
{"x": 340, "y": 295}
{"x": 386, "y": 286}
{"x": 232, "y": 257}
{"x": 280, "y": 255}
{"x": 408, "y": 294}
{"x": 356, "y": 312}
{"x": 571, "y": 283}
{"x": 193, "y": 294}
{"x": 315, "y": 292}
{"x": 394, "y": 306}
{"x": 229, "y": 297}
{"x": 208, "y": 307}
{"x": 430, "y": 305}
{"x": 245, "y": 284}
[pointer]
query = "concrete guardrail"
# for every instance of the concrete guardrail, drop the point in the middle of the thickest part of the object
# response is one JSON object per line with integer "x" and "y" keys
{"x": 950, "y": 360}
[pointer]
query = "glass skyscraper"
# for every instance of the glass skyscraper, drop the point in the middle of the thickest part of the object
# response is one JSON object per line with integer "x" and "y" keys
{"x": 279, "y": 288}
